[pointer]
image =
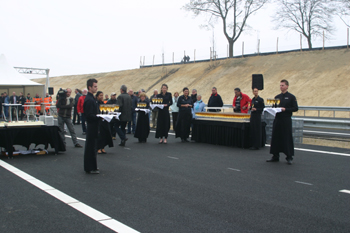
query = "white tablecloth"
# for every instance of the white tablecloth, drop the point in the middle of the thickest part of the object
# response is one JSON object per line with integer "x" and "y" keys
{"x": 273, "y": 111}
{"x": 144, "y": 110}
{"x": 109, "y": 117}
{"x": 161, "y": 106}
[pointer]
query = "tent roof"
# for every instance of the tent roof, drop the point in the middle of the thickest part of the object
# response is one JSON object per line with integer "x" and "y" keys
{"x": 10, "y": 77}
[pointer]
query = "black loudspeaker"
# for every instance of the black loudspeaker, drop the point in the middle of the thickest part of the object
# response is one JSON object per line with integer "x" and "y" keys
{"x": 51, "y": 91}
{"x": 258, "y": 81}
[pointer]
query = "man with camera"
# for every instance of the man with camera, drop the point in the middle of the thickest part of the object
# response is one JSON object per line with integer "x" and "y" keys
{"x": 65, "y": 104}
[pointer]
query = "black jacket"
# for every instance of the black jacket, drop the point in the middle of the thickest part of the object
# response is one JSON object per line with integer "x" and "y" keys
{"x": 125, "y": 104}
{"x": 215, "y": 101}
{"x": 91, "y": 109}
{"x": 289, "y": 102}
{"x": 11, "y": 100}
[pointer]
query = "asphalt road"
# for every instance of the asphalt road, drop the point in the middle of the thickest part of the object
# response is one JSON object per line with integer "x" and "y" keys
{"x": 181, "y": 187}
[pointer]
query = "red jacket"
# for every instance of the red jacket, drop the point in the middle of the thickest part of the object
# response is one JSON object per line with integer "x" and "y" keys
{"x": 80, "y": 105}
{"x": 244, "y": 102}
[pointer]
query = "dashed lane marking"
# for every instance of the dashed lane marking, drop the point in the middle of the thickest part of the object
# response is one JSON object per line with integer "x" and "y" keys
{"x": 345, "y": 191}
{"x": 233, "y": 169}
{"x": 96, "y": 215}
{"x": 172, "y": 157}
{"x": 300, "y": 182}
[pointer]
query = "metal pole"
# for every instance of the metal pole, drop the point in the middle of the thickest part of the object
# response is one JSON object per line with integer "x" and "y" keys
{"x": 323, "y": 41}
{"x": 153, "y": 60}
{"x": 243, "y": 49}
{"x": 259, "y": 47}
{"x": 347, "y": 44}
{"x": 173, "y": 58}
{"x": 210, "y": 54}
{"x": 301, "y": 43}
{"x": 163, "y": 58}
{"x": 143, "y": 60}
{"x": 277, "y": 46}
{"x": 194, "y": 57}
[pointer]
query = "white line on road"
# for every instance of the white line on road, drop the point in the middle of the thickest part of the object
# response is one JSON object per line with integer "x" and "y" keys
{"x": 172, "y": 157}
{"x": 300, "y": 182}
{"x": 72, "y": 202}
{"x": 300, "y": 149}
{"x": 322, "y": 132}
{"x": 319, "y": 151}
{"x": 237, "y": 170}
{"x": 345, "y": 191}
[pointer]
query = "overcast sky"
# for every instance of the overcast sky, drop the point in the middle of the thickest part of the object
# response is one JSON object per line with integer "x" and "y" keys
{"x": 80, "y": 37}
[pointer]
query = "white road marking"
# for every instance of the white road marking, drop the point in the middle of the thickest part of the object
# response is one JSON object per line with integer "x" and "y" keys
{"x": 345, "y": 191}
{"x": 72, "y": 202}
{"x": 127, "y": 148}
{"x": 322, "y": 132}
{"x": 172, "y": 157}
{"x": 300, "y": 182}
{"x": 67, "y": 136}
{"x": 319, "y": 151}
{"x": 237, "y": 170}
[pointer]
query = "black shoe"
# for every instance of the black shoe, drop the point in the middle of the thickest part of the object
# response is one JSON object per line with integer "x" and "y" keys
{"x": 126, "y": 139}
{"x": 273, "y": 160}
{"x": 122, "y": 143}
{"x": 93, "y": 172}
{"x": 289, "y": 161}
{"x": 78, "y": 145}
{"x": 186, "y": 140}
{"x": 128, "y": 133}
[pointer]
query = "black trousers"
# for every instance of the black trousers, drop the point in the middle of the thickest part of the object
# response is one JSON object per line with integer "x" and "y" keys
{"x": 90, "y": 150}
{"x": 175, "y": 115}
{"x": 120, "y": 129}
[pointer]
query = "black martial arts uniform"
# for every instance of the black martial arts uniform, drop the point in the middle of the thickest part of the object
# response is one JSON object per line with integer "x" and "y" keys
{"x": 256, "y": 137}
{"x": 163, "y": 121}
{"x": 184, "y": 120}
{"x": 282, "y": 138}
{"x": 90, "y": 153}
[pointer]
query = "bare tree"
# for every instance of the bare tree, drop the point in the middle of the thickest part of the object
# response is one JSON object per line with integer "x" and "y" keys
{"x": 343, "y": 9}
{"x": 309, "y": 17}
{"x": 233, "y": 14}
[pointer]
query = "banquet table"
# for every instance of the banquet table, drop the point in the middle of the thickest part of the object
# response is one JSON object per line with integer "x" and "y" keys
{"x": 217, "y": 132}
{"x": 25, "y": 136}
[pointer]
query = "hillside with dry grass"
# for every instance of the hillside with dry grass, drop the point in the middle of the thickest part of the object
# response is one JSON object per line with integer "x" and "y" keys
{"x": 317, "y": 78}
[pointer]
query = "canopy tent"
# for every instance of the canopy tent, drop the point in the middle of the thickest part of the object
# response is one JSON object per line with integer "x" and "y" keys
{"x": 12, "y": 81}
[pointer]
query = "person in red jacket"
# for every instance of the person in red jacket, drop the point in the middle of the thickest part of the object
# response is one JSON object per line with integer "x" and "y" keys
{"x": 240, "y": 102}
{"x": 80, "y": 110}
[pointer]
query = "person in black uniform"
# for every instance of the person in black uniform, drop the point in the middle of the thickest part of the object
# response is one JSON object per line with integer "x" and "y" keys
{"x": 90, "y": 111}
{"x": 215, "y": 100}
{"x": 21, "y": 100}
{"x": 163, "y": 121}
{"x": 257, "y": 108}
{"x": 183, "y": 125}
{"x": 282, "y": 138}
{"x": 104, "y": 131}
{"x": 142, "y": 125}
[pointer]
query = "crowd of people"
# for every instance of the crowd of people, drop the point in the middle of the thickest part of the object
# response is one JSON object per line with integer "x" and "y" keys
{"x": 86, "y": 104}
{"x": 22, "y": 101}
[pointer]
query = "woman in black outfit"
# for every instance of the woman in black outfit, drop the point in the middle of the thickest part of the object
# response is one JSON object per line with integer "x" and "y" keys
{"x": 163, "y": 121}
{"x": 142, "y": 125}
{"x": 183, "y": 125}
{"x": 104, "y": 131}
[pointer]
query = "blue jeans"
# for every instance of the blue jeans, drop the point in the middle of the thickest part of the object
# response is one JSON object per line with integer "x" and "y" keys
{"x": 133, "y": 122}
